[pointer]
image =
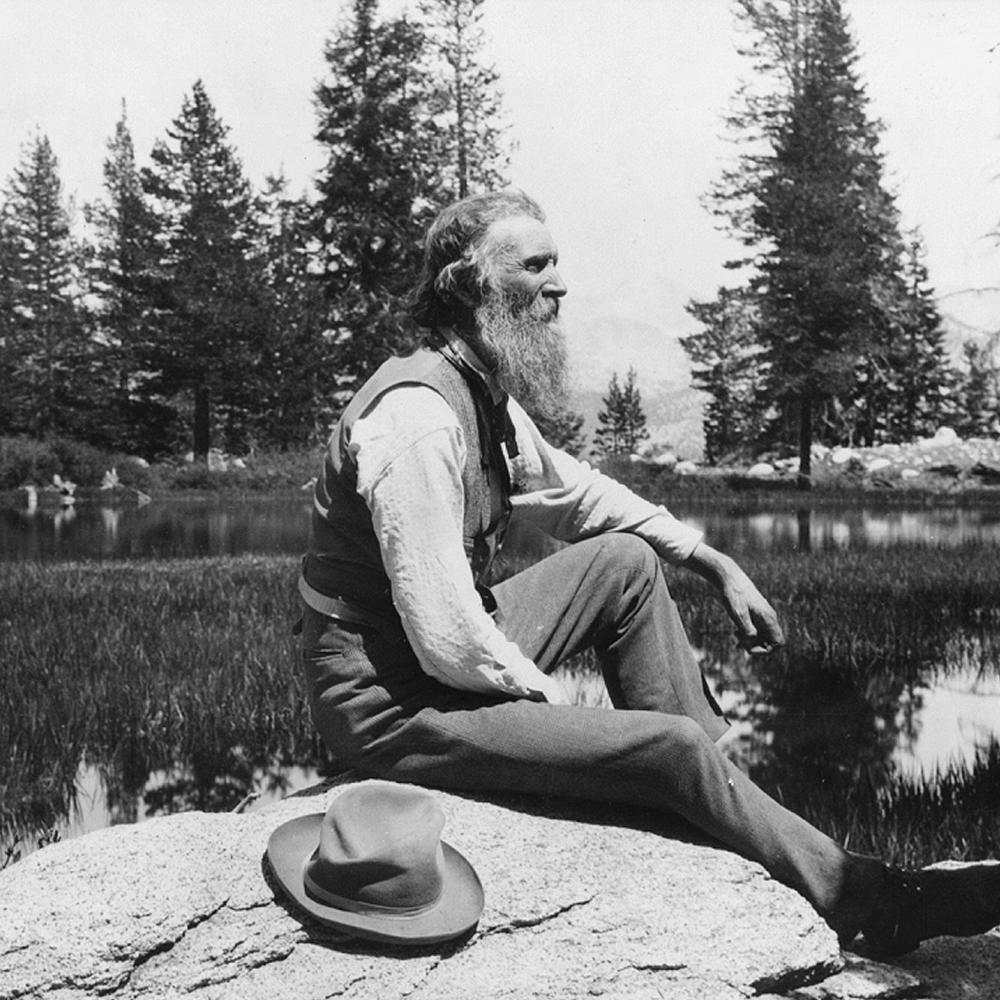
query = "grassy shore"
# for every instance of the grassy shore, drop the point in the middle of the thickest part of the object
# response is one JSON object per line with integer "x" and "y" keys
{"x": 188, "y": 666}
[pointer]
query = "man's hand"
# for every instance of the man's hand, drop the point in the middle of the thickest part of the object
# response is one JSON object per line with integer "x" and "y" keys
{"x": 757, "y": 627}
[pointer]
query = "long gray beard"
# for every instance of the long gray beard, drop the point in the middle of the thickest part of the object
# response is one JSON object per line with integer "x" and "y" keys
{"x": 530, "y": 347}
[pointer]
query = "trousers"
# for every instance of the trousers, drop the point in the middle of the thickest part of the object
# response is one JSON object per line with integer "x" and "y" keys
{"x": 382, "y": 716}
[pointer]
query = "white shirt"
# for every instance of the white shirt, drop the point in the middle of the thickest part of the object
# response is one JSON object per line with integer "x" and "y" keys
{"x": 410, "y": 452}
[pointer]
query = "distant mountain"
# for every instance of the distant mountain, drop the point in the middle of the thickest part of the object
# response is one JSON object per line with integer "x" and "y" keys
{"x": 602, "y": 344}
{"x": 973, "y": 314}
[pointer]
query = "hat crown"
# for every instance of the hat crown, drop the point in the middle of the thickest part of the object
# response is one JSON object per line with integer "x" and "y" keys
{"x": 379, "y": 851}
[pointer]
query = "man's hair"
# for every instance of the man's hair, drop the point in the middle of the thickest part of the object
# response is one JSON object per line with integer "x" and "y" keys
{"x": 455, "y": 253}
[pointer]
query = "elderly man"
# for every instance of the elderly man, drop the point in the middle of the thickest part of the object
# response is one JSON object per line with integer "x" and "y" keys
{"x": 419, "y": 672}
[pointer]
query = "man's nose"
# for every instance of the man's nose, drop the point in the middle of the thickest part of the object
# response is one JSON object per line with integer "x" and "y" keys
{"x": 554, "y": 285}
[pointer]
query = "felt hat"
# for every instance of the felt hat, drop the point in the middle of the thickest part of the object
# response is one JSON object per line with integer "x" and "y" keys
{"x": 374, "y": 866}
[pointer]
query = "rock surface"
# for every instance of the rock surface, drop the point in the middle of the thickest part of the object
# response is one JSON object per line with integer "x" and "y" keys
{"x": 579, "y": 903}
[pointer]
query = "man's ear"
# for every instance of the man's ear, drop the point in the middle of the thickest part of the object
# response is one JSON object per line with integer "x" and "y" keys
{"x": 464, "y": 298}
{"x": 463, "y": 310}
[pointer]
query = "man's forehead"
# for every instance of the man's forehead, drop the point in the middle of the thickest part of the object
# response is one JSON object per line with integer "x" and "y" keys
{"x": 522, "y": 236}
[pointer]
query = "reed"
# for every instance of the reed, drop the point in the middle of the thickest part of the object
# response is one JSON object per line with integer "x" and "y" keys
{"x": 135, "y": 667}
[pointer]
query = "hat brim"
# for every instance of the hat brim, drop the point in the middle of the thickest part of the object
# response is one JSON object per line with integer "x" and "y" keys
{"x": 457, "y": 910}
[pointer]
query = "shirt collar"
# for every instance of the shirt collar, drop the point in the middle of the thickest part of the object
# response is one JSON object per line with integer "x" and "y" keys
{"x": 460, "y": 352}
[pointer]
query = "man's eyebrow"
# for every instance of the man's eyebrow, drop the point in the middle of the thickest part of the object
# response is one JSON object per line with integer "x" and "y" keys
{"x": 542, "y": 257}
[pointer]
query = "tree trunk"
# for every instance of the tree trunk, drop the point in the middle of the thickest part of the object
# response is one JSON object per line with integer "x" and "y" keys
{"x": 202, "y": 423}
{"x": 805, "y": 443}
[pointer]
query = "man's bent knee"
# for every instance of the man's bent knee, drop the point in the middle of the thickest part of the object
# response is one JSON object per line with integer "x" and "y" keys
{"x": 684, "y": 740}
{"x": 623, "y": 552}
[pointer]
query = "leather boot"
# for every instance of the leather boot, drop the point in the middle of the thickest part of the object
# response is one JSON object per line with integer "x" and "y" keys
{"x": 907, "y": 907}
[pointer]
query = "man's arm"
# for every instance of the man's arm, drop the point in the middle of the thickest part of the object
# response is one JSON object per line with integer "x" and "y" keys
{"x": 410, "y": 456}
{"x": 757, "y": 627}
{"x": 571, "y": 500}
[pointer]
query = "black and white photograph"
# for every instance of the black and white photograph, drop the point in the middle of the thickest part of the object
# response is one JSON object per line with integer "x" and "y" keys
{"x": 500, "y": 499}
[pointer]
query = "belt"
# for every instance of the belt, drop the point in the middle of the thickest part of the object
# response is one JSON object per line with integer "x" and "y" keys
{"x": 337, "y": 607}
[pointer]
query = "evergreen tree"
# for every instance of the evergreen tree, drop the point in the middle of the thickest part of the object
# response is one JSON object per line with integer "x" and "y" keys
{"x": 726, "y": 364}
{"x": 608, "y": 437}
{"x": 929, "y": 381}
{"x": 979, "y": 392}
{"x": 622, "y": 422}
{"x": 121, "y": 264}
{"x": 905, "y": 389}
{"x": 809, "y": 201}
{"x": 468, "y": 103}
{"x": 299, "y": 400}
{"x": 8, "y": 320}
{"x": 48, "y": 356}
{"x": 381, "y": 184}
{"x": 208, "y": 278}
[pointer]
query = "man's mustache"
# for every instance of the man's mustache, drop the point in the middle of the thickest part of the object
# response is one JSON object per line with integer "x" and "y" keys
{"x": 539, "y": 307}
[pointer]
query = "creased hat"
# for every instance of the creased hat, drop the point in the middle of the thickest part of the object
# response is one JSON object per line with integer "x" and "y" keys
{"x": 374, "y": 866}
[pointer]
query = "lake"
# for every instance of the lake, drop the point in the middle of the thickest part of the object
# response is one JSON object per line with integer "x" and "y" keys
{"x": 207, "y": 527}
{"x": 941, "y": 719}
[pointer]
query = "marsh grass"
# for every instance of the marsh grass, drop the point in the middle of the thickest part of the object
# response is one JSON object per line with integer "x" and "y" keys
{"x": 137, "y": 667}
{"x": 187, "y": 668}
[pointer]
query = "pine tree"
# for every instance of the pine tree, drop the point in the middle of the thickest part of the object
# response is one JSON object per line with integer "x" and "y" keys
{"x": 979, "y": 392}
{"x": 929, "y": 381}
{"x": 468, "y": 104}
{"x": 622, "y": 422}
{"x": 381, "y": 184}
{"x": 809, "y": 202}
{"x": 904, "y": 389}
{"x": 299, "y": 400}
{"x": 48, "y": 355}
{"x": 207, "y": 282}
{"x": 635, "y": 418}
{"x": 8, "y": 320}
{"x": 608, "y": 437}
{"x": 121, "y": 263}
{"x": 726, "y": 364}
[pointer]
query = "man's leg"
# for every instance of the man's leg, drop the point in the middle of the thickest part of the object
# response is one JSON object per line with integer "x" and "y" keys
{"x": 639, "y": 758}
{"x": 609, "y": 593}
{"x": 657, "y": 750}
{"x": 382, "y": 715}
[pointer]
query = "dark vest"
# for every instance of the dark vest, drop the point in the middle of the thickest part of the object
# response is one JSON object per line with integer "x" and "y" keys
{"x": 344, "y": 560}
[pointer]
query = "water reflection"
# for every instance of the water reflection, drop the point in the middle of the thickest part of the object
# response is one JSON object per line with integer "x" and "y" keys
{"x": 856, "y": 527}
{"x": 98, "y": 804}
{"x": 167, "y": 528}
{"x": 958, "y": 721}
{"x": 161, "y": 529}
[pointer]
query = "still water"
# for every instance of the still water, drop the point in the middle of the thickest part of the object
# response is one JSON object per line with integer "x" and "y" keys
{"x": 207, "y": 528}
{"x": 951, "y": 717}
{"x": 156, "y": 530}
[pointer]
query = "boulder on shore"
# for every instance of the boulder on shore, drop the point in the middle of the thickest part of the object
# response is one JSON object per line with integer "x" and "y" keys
{"x": 581, "y": 901}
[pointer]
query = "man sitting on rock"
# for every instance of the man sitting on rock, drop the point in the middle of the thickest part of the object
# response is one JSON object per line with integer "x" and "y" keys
{"x": 418, "y": 672}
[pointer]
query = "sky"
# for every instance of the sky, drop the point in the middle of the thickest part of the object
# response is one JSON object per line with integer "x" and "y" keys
{"x": 616, "y": 107}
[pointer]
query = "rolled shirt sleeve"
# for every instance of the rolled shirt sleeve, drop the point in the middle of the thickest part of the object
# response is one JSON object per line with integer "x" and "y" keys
{"x": 571, "y": 500}
{"x": 410, "y": 453}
